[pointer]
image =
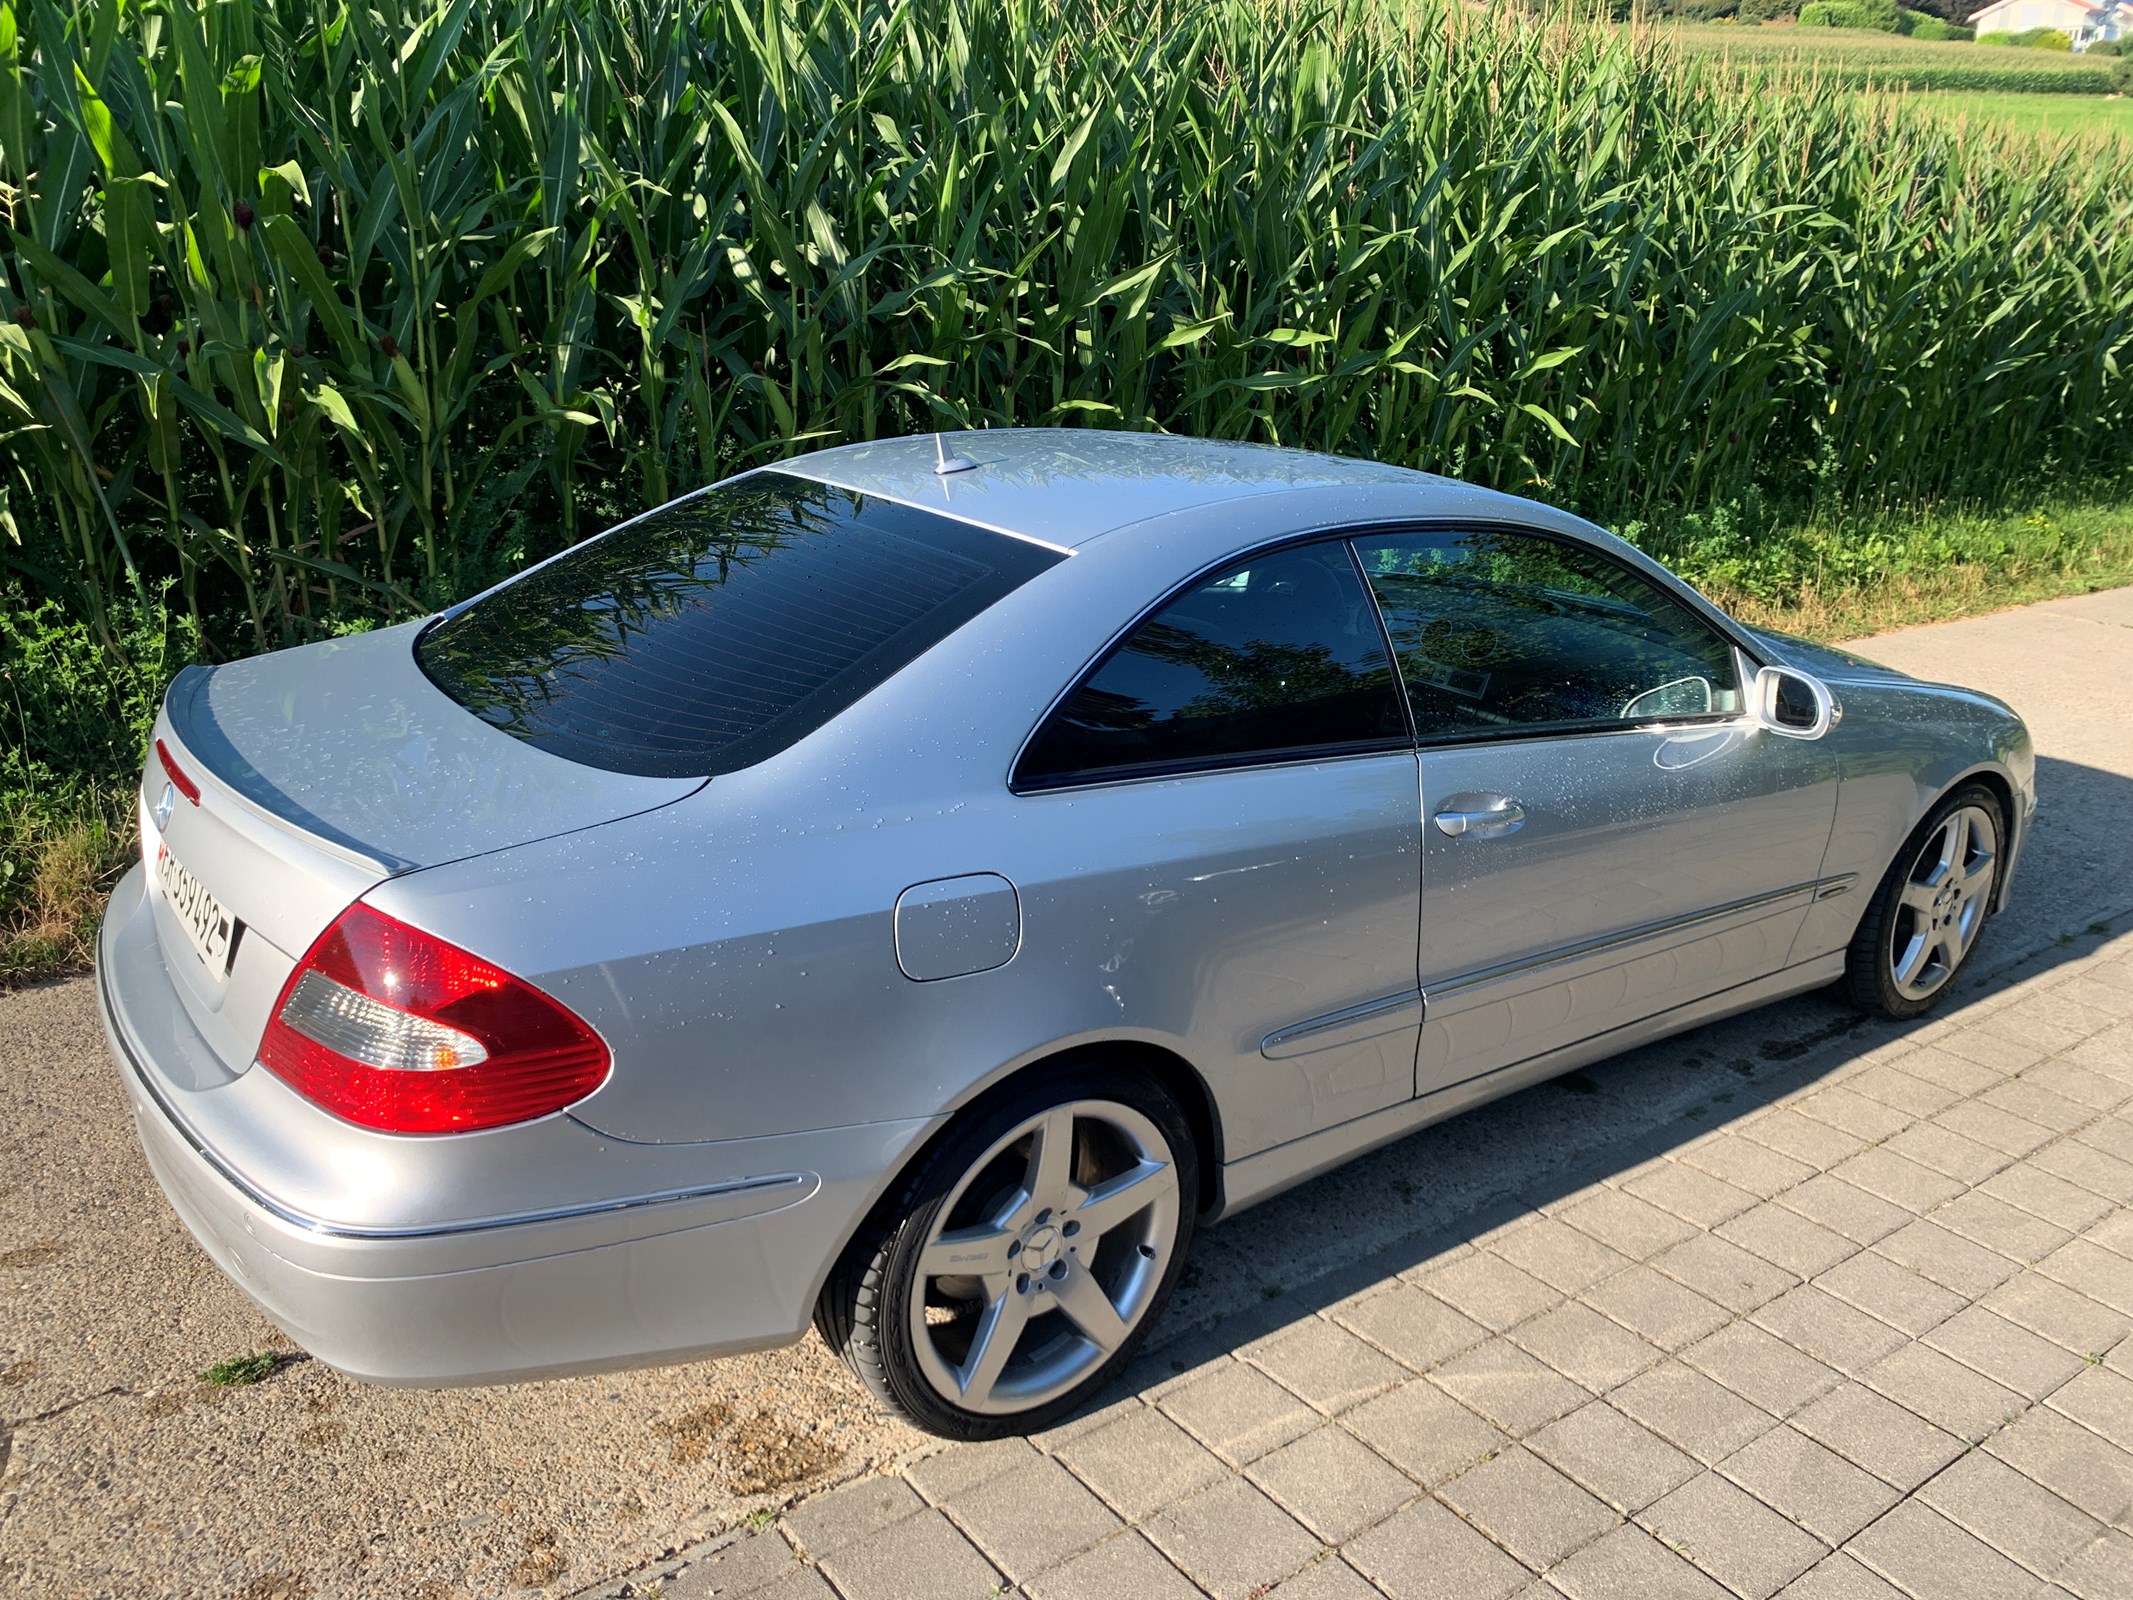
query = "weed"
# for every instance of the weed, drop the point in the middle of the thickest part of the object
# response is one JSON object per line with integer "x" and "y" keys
{"x": 241, "y": 1371}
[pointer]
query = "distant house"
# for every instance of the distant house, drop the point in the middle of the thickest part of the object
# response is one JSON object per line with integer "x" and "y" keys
{"x": 2082, "y": 21}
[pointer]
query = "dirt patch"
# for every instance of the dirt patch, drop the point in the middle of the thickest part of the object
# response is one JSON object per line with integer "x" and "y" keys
{"x": 41, "y": 1254}
{"x": 767, "y": 1453}
{"x": 276, "y": 1586}
{"x": 542, "y": 1563}
{"x": 693, "y": 1431}
{"x": 16, "y": 1376}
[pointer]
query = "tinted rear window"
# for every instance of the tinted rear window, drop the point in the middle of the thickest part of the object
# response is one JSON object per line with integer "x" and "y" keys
{"x": 718, "y": 630}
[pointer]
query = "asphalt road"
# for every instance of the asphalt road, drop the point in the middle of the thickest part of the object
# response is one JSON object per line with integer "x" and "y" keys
{"x": 123, "y": 1474}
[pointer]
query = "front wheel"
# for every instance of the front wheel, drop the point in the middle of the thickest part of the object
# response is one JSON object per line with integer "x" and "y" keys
{"x": 1923, "y": 923}
{"x": 1025, "y": 1260}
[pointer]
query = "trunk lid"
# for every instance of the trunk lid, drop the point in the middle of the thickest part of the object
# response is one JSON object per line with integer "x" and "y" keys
{"x": 322, "y": 771}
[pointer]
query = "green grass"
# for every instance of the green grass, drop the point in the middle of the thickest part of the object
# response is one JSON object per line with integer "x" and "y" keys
{"x": 1854, "y": 58}
{"x": 2051, "y": 116}
{"x": 241, "y": 1371}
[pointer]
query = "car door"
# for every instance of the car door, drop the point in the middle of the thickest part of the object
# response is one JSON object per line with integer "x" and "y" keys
{"x": 1230, "y": 821}
{"x": 1608, "y": 833}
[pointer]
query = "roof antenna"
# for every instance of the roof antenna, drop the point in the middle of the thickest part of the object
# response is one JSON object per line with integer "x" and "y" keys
{"x": 944, "y": 464}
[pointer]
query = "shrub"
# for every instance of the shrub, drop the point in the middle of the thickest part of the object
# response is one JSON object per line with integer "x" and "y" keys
{"x": 1766, "y": 10}
{"x": 2045, "y": 39}
{"x": 2122, "y": 75}
{"x": 1924, "y": 25}
{"x": 2105, "y": 48}
{"x": 1878, "y": 15}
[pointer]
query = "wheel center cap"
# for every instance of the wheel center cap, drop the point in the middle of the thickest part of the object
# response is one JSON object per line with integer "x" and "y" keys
{"x": 1040, "y": 1250}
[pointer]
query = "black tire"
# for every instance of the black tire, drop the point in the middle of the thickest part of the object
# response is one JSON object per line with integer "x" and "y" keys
{"x": 865, "y": 1312}
{"x": 1871, "y": 972}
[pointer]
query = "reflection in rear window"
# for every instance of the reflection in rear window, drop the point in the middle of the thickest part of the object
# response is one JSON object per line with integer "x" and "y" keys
{"x": 716, "y": 631}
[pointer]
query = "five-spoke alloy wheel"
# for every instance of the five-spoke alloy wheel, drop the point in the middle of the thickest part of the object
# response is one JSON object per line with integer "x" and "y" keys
{"x": 1925, "y": 918}
{"x": 1027, "y": 1258}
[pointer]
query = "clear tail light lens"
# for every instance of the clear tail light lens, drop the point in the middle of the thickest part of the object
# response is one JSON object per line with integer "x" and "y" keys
{"x": 395, "y": 1029}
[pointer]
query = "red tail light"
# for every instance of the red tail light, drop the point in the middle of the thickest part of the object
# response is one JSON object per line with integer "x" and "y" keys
{"x": 171, "y": 770}
{"x": 393, "y": 1028}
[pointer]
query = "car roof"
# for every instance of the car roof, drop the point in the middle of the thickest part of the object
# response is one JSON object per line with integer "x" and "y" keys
{"x": 1067, "y": 486}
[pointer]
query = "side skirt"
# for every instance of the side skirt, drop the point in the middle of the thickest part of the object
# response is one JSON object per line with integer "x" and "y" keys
{"x": 1260, "y": 1177}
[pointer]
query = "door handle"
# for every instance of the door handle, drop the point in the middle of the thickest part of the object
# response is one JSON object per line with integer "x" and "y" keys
{"x": 1497, "y": 820}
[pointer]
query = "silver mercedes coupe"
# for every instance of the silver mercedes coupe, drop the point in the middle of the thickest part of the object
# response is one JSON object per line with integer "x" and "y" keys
{"x": 909, "y": 888}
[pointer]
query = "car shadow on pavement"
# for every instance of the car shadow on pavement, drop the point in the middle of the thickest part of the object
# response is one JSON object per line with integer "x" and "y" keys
{"x": 1394, "y": 1210}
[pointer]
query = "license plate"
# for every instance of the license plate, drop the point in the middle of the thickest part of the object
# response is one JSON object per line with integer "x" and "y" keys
{"x": 211, "y": 930}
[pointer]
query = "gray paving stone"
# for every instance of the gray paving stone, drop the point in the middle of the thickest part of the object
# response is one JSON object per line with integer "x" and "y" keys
{"x": 1691, "y": 1412}
{"x": 1845, "y": 1208}
{"x": 1725, "y": 1273}
{"x": 1971, "y": 1060}
{"x": 998, "y": 1516}
{"x": 1427, "y": 1433}
{"x": 1761, "y": 1367}
{"x": 1629, "y": 1564}
{"x": 1326, "y": 1365}
{"x": 1586, "y": 1347}
{"x": 1809, "y": 1484}
{"x": 1655, "y": 1307}
{"x": 948, "y": 1473}
{"x": 1633, "y": 1227}
{"x": 1332, "y": 1483}
{"x": 2070, "y": 1320}
{"x": 1803, "y": 1138}
{"x": 1943, "y": 1391}
{"x": 2032, "y": 1102}
{"x": 1839, "y": 1577}
{"x": 1140, "y": 1462}
{"x": 1558, "y": 1255}
{"x": 2080, "y": 1467}
{"x": 1947, "y": 1152}
{"x": 1231, "y": 1539}
{"x": 2092, "y": 1270}
{"x": 1820, "y": 1325}
{"x": 747, "y": 1567}
{"x": 1512, "y": 1389}
{"x": 1622, "y": 1462}
{"x": 1328, "y": 1578}
{"x": 919, "y": 1558}
{"x": 1893, "y": 1086}
{"x": 1786, "y": 1239}
{"x": 801, "y": 1583}
{"x": 1747, "y": 1165}
{"x": 2015, "y": 1515}
{"x": 1898, "y": 1180}
{"x": 1989, "y": 1125}
{"x": 1921, "y": 1551}
{"x": 1897, "y": 1295}
{"x": 1872, "y": 1431}
{"x": 1413, "y": 1325}
{"x": 1987, "y": 1220}
{"x": 2113, "y": 1135}
{"x": 1427, "y": 1553}
{"x": 2104, "y": 1571}
{"x": 1238, "y": 1412}
{"x": 1124, "y": 1567}
{"x": 2072, "y": 1081}
{"x": 2083, "y": 1166}
{"x": 823, "y": 1524}
{"x": 1953, "y": 1262}
{"x": 1490, "y": 1290}
{"x": 1732, "y": 1536}
{"x": 1528, "y": 1507}
{"x": 2101, "y": 1400}
{"x": 1690, "y": 1194}
{"x": 2066, "y": 1183}
{"x": 2004, "y": 1352}
{"x": 2114, "y": 1233}
{"x": 1859, "y": 1115}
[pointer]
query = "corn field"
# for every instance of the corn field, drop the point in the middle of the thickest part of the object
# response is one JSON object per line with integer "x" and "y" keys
{"x": 319, "y": 310}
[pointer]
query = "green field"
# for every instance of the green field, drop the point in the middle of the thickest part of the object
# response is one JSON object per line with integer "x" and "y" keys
{"x": 1855, "y": 58}
{"x": 2051, "y": 116}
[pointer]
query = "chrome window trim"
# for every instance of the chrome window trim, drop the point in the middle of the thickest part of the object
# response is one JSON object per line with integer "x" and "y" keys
{"x": 1390, "y": 1005}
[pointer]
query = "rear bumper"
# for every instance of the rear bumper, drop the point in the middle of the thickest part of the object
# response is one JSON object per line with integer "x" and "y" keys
{"x": 722, "y": 1265}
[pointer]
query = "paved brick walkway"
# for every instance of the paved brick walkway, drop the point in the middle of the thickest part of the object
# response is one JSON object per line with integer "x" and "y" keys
{"x": 1869, "y": 1338}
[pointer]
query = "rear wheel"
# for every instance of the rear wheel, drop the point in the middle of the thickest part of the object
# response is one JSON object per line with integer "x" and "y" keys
{"x": 1925, "y": 919}
{"x": 1025, "y": 1260}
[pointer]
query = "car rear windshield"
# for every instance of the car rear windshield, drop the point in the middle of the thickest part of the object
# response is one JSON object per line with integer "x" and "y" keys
{"x": 716, "y": 631}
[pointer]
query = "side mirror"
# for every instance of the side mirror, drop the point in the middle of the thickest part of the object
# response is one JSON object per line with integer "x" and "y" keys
{"x": 1792, "y": 705}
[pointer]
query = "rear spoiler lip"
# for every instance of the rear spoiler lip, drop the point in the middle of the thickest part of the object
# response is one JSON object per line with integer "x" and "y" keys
{"x": 188, "y": 720}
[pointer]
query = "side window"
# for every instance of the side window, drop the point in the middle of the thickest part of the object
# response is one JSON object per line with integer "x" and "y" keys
{"x": 1278, "y": 656}
{"x": 1500, "y": 631}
